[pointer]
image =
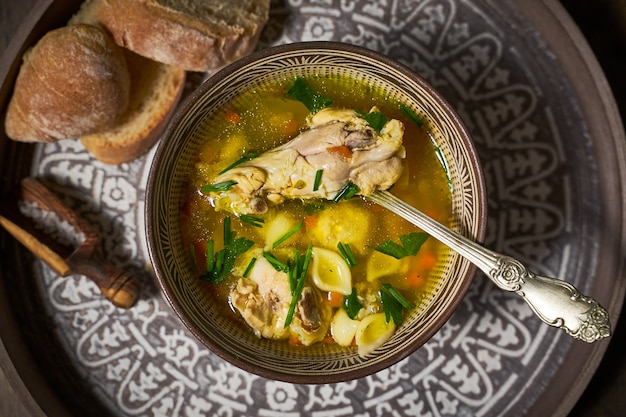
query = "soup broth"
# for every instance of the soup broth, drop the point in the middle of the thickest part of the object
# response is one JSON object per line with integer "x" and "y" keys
{"x": 265, "y": 118}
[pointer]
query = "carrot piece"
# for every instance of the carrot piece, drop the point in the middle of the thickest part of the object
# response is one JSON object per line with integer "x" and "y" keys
{"x": 341, "y": 151}
{"x": 328, "y": 339}
{"x": 290, "y": 127}
{"x": 232, "y": 117}
{"x": 415, "y": 279}
{"x": 375, "y": 208}
{"x": 199, "y": 249}
{"x": 334, "y": 299}
{"x": 310, "y": 221}
{"x": 294, "y": 340}
{"x": 426, "y": 259}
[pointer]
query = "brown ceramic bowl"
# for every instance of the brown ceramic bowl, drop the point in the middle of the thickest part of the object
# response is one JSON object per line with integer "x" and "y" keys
{"x": 170, "y": 257}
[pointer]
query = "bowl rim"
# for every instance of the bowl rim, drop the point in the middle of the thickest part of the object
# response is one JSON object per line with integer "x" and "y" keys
{"x": 475, "y": 166}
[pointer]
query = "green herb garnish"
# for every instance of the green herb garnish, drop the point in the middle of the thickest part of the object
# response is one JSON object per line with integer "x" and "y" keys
{"x": 210, "y": 257}
{"x": 245, "y": 157}
{"x": 275, "y": 262}
{"x": 228, "y": 233}
{"x": 318, "y": 179}
{"x": 302, "y": 92}
{"x": 252, "y": 220}
{"x": 351, "y": 304}
{"x": 346, "y": 192}
{"x": 293, "y": 272}
{"x": 376, "y": 120}
{"x": 444, "y": 164}
{"x": 393, "y": 303}
{"x": 219, "y": 265}
{"x": 399, "y": 297}
{"x": 249, "y": 267}
{"x": 391, "y": 307}
{"x": 220, "y": 186}
{"x": 301, "y": 267}
{"x": 410, "y": 245}
{"x": 312, "y": 208}
{"x": 346, "y": 253}
{"x": 287, "y": 235}
{"x": 412, "y": 116}
{"x": 194, "y": 260}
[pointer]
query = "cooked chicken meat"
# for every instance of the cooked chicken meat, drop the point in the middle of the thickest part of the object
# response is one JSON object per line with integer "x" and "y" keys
{"x": 263, "y": 301}
{"x": 338, "y": 142}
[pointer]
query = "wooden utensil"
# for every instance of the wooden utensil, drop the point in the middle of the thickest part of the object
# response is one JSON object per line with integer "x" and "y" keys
{"x": 118, "y": 286}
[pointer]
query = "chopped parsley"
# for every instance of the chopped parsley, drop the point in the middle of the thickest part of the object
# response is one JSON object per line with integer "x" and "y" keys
{"x": 252, "y": 220}
{"x": 219, "y": 186}
{"x": 249, "y": 267}
{"x": 412, "y": 116}
{"x": 444, "y": 164}
{"x": 275, "y": 262}
{"x": 318, "y": 179}
{"x": 346, "y": 253}
{"x": 399, "y": 297}
{"x": 300, "y": 268}
{"x": 376, "y": 120}
{"x": 312, "y": 208}
{"x": 409, "y": 246}
{"x": 351, "y": 304}
{"x": 346, "y": 192}
{"x": 287, "y": 234}
{"x": 245, "y": 157}
{"x": 220, "y": 263}
{"x": 313, "y": 101}
{"x": 393, "y": 303}
{"x": 192, "y": 254}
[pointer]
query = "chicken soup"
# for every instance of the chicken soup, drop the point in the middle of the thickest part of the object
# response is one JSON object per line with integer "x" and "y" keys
{"x": 276, "y": 225}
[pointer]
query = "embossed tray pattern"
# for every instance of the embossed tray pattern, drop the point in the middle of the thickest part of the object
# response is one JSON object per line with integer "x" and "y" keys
{"x": 493, "y": 358}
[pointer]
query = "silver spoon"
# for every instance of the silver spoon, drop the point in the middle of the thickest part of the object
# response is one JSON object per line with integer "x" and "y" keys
{"x": 555, "y": 302}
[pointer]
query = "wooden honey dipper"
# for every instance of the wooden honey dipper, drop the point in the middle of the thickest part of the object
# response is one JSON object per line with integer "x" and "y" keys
{"x": 118, "y": 286}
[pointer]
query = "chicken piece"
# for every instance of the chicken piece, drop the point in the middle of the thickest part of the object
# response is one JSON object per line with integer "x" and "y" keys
{"x": 312, "y": 319}
{"x": 263, "y": 301}
{"x": 339, "y": 142}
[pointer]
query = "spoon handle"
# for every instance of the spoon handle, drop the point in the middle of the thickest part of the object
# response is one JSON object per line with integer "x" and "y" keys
{"x": 554, "y": 301}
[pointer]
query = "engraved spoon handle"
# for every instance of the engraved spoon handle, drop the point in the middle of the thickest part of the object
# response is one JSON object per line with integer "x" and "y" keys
{"x": 554, "y": 301}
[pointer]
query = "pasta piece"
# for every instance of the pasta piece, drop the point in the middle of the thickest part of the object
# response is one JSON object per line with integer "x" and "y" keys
{"x": 380, "y": 265}
{"x": 330, "y": 271}
{"x": 343, "y": 328}
{"x": 372, "y": 332}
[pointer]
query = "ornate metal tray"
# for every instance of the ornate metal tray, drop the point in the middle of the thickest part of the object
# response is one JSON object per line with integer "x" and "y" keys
{"x": 550, "y": 139}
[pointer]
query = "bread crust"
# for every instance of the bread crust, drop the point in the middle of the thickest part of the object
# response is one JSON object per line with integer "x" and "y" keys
{"x": 73, "y": 82}
{"x": 197, "y": 35}
{"x": 156, "y": 88}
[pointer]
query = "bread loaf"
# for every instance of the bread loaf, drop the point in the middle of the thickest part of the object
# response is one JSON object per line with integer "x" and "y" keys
{"x": 155, "y": 89}
{"x": 154, "y": 92}
{"x": 197, "y": 35}
{"x": 73, "y": 82}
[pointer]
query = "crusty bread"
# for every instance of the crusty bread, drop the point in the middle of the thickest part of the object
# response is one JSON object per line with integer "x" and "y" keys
{"x": 73, "y": 82}
{"x": 197, "y": 35}
{"x": 155, "y": 89}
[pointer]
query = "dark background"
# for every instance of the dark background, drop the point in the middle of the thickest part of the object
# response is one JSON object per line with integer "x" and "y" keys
{"x": 603, "y": 22}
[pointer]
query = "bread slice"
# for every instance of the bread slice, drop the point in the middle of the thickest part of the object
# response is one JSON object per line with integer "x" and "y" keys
{"x": 155, "y": 89}
{"x": 197, "y": 35}
{"x": 74, "y": 81}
